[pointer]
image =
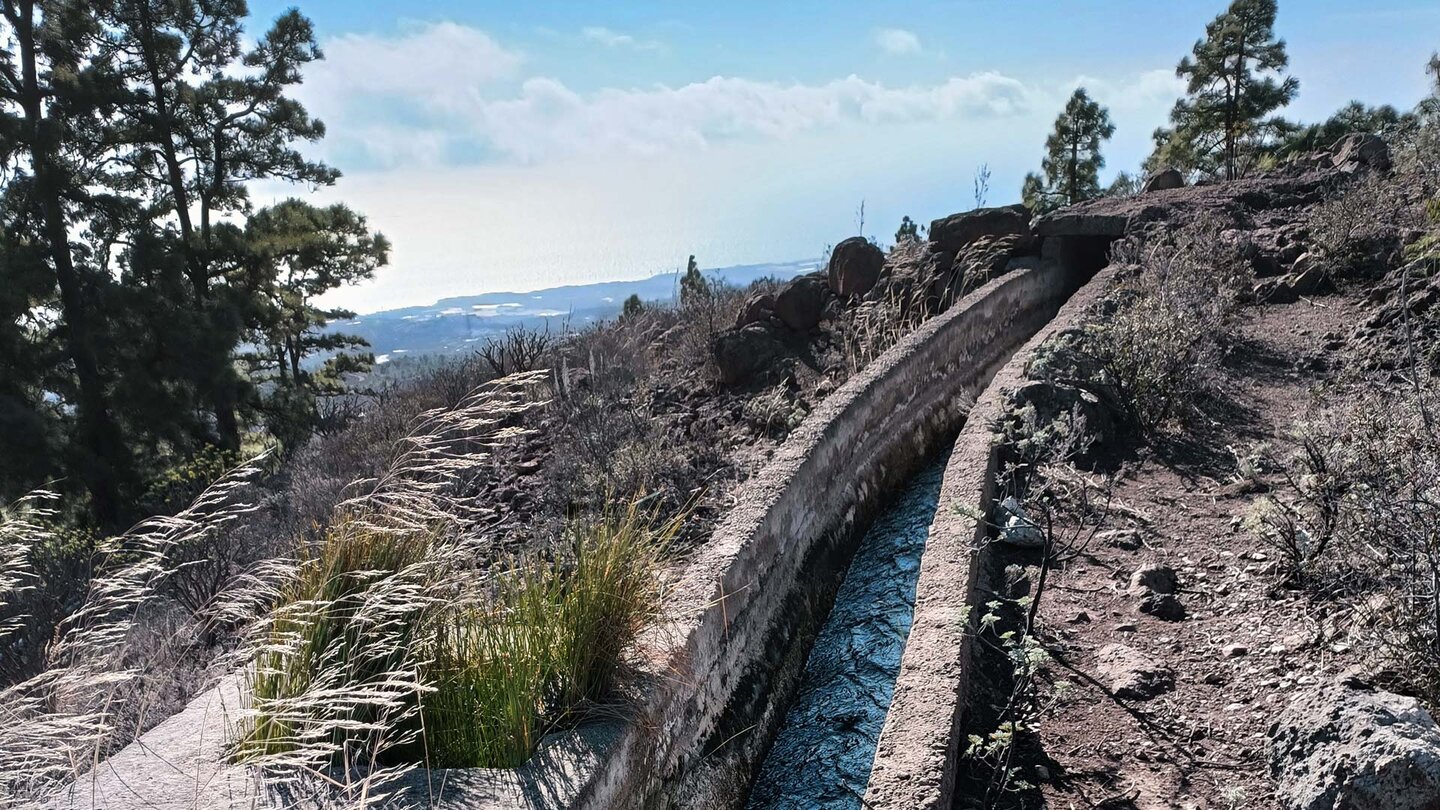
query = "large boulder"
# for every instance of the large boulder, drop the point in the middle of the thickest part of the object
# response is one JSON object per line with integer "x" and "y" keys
{"x": 745, "y": 352}
{"x": 1163, "y": 180}
{"x": 1345, "y": 744}
{"x": 958, "y": 230}
{"x": 1360, "y": 150}
{"x": 757, "y": 308}
{"x": 855, "y": 266}
{"x": 801, "y": 303}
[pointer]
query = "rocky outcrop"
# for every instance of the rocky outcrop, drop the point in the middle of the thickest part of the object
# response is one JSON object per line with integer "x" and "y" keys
{"x": 1163, "y": 180}
{"x": 801, "y": 303}
{"x": 954, "y": 232}
{"x": 1360, "y": 150}
{"x": 756, "y": 309}
{"x": 1347, "y": 745}
{"x": 855, "y": 266}
{"x": 742, "y": 353}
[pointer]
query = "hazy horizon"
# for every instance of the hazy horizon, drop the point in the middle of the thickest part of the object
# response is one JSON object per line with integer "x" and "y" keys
{"x": 509, "y": 149}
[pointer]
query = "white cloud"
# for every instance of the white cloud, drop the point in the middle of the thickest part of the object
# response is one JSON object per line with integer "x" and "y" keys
{"x": 443, "y": 90}
{"x": 614, "y": 39}
{"x": 432, "y": 55}
{"x": 897, "y": 41}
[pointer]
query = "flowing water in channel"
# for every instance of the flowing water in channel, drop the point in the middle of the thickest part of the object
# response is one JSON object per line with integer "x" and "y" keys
{"x": 822, "y": 754}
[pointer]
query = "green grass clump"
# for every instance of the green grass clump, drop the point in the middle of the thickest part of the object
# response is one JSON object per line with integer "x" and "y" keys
{"x": 384, "y": 647}
{"x": 547, "y": 649}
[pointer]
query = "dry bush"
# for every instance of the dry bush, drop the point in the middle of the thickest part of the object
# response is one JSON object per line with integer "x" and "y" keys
{"x": 1354, "y": 230}
{"x": 1158, "y": 344}
{"x": 518, "y": 350}
{"x": 1358, "y": 515}
{"x": 867, "y": 331}
{"x": 125, "y": 659}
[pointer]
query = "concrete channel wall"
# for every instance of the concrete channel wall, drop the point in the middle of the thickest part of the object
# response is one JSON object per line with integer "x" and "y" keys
{"x": 721, "y": 653}
{"x": 920, "y": 743}
{"x": 717, "y": 666}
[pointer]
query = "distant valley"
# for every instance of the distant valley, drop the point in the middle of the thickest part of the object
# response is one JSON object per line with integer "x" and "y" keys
{"x": 456, "y": 325}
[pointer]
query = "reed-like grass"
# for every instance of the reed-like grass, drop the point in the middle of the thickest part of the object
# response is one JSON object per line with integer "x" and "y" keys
{"x": 547, "y": 648}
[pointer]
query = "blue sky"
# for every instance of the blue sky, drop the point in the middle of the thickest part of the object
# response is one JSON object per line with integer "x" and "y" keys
{"x": 520, "y": 145}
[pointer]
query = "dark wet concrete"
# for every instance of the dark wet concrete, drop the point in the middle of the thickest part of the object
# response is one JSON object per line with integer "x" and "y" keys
{"x": 822, "y": 754}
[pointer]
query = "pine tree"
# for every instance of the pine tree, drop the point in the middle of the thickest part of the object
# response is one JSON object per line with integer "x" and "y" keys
{"x": 633, "y": 306}
{"x": 694, "y": 289}
{"x": 297, "y": 253}
{"x": 908, "y": 231}
{"x": 1232, "y": 86}
{"x": 52, "y": 96}
{"x": 1072, "y": 160}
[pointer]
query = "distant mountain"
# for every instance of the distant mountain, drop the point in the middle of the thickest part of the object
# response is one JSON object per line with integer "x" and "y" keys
{"x": 454, "y": 325}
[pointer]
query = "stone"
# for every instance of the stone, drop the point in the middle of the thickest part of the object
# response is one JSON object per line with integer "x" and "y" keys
{"x": 1345, "y": 744}
{"x": 1154, "y": 577}
{"x": 954, "y": 232}
{"x": 1163, "y": 180}
{"x": 801, "y": 303}
{"x": 1016, "y": 528}
{"x": 1127, "y": 539}
{"x": 1234, "y": 651}
{"x": 742, "y": 353}
{"x": 1164, "y": 606}
{"x": 855, "y": 266}
{"x": 1131, "y": 675}
{"x": 756, "y": 308}
{"x": 1360, "y": 150}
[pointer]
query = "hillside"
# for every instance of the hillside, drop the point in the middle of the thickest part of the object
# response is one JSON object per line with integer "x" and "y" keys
{"x": 454, "y": 325}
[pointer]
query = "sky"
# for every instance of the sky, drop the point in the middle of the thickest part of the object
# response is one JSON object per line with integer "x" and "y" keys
{"x": 514, "y": 146}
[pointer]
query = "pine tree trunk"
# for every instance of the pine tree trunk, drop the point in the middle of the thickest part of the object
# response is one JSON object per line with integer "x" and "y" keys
{"x": 105, "y": 461}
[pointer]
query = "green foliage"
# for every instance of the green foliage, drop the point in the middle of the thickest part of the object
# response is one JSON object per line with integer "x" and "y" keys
{"x": 633, "y": 306}
{"x": 1352, "y": 118}
{"x": 179, "y": 484}
{"x": 297, "y": 252}
{"x": 500, "y": 667}
{"x": 908, "y": 231}
{"x": 695, "y": 290}
{"x": 1072, "y": 162}
{"x": 133, "y": 133}
{"x": 1161, "y": 343}
{"x": 1232, "y": 85}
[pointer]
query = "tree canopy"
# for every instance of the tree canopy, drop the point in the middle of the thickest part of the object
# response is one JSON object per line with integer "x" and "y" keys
{"x": 1233, "y": 84}
{"x": 133, "y": 268}
{"x": 1072, "y": 163}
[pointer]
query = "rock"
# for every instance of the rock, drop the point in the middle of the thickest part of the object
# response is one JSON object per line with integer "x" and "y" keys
{"x": 741, "y": 353}
{"x": 1081, "y": 413}
{"x": 756, "y": 308}
{"x": 1360, "y": 150}
{"x": 1015, "y": 528}
{"x": 855, "y": 266}
{"x": 1306, "y": 275}
{"x": 1163, "y": 180}
{"x": 1154, "y": 577}
{"x": 1132, "y": 675}
{"x": 801, "y": 303}
{"x": 1164, "y": 606}
{"x": 1127, "y": 539}
{"x": 1234, "y": 651}
{"x": 958, "y": 230}
{"x": 1344, "y": 744}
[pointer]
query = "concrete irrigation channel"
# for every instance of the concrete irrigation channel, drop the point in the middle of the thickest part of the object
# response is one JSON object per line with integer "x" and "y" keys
{"x": 728, "y": 679}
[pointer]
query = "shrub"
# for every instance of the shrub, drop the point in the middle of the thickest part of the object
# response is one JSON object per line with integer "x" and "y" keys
{"x": 1358, "y": 514}
{"x": 1160, "y": 344}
